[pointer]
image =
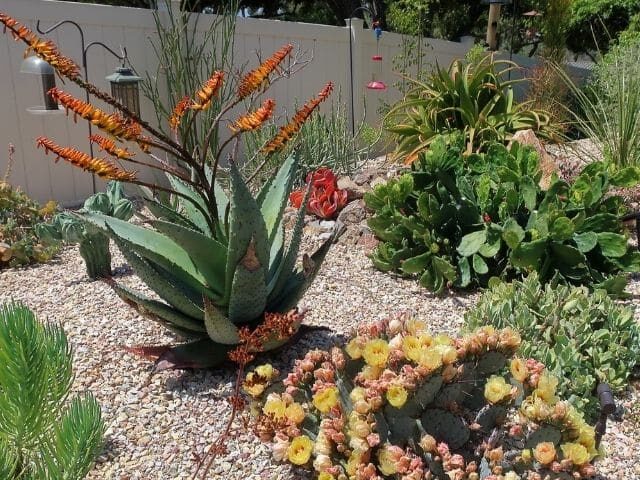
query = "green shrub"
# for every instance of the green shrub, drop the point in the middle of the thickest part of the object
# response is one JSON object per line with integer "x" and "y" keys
{"x": 19, "y": 215}
{"x": 397, "y": 402}
{"x": 42, "y": 435}
{"x": 474, "y": 98}
{"x": 457, "y": 220}
{"x": 594, "y": 23}
{"x": 94, "y": 245}
{"x": 583, "y": 337}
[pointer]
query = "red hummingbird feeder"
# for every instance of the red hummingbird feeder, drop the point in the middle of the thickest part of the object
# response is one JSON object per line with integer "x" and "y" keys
{"x": 377, "y": 84}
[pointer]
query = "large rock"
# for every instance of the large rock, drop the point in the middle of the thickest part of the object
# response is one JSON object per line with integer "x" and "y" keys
{"x": 547, "y": 165}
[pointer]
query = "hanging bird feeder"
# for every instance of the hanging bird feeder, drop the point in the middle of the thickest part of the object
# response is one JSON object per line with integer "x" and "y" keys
{"x": 377, "y": 84}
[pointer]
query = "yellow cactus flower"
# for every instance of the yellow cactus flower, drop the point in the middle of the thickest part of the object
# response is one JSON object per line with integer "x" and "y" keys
{"x": 376, "y": 352}
{"x": 575, "y": 452}
{"x": 526, "y": 455}
{"x": 266, "y": 371}
{"x": 415, "y": 327}
{"x": 354, "y": 348}
{"x": 324, "y": 400}
{"x": 442, "y": 339}
{"x": 299, "y": 451}
{"x": 274, "y": 406}
{"x": 357, "y": 394}
{"x": 326, "y": 476}
{"x": 386, "y": 462}
{"x": 546, "y": 388}
{"x": 447, "y": 353}
{"x": 253, "y": 387}
{"x": 545, "y": 453}
{"x": 496, "y": 389}
{"x": 294, "y": 413}
{"x": 430, "y": 358}
{"x": 397, "y": 395}
{"x": 411, "y": 348}
{"x": 518, "y": 369}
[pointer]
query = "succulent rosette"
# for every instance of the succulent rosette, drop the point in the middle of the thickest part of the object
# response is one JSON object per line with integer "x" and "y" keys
{"x": 398, "y": 402}
{"x": 326, "y": 199}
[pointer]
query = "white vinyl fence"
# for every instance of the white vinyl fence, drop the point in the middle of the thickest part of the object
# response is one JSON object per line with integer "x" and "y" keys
{"x": 134, "y": 29}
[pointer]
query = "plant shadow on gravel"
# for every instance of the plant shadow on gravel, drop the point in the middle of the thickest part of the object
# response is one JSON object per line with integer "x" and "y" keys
{"x": 310, "y": 337}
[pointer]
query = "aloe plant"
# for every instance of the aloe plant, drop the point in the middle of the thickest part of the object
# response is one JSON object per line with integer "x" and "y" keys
{"x": 94, "y": 244}
{"x": 472, "y": 97}
{"x": 216, "y": 259}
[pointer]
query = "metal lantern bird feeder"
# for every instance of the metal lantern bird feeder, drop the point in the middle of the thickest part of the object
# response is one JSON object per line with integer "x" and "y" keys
{"x": 37, "y": 66}
{"x": 377, "y": 84}
{"x": 125, "y": 88}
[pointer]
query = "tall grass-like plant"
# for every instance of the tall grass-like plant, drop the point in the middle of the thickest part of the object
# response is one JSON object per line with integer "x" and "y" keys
{"x": 187, "y": 53}
{"x": 612, "y": 121}
{"x": 42, "y": 434}
{"x": 325, "y": 141}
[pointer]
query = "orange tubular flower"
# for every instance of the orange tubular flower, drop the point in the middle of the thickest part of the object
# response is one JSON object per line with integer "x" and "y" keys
{"x": 256, "y": 78}
{"x": 109, "y": 146}
{"x": 208, "y": 91}
{"x": 253, "y": 121}
{"x": 178, "y": 112}
{"x": 45, "y": 49}
{"x": 113, "y": 123}
{"x": 99, "y": 166}
{"x": 287, "y": 132}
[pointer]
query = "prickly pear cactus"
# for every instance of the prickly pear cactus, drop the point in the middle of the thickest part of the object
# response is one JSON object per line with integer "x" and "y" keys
{"x": 400, "y": 402}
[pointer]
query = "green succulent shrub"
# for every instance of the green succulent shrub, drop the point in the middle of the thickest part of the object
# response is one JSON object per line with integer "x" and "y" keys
{"x": 583, "y": 337}
{"x": 472, "y": 97}
{"x": 94, "y": 244}
{"x": 399, "y": 402}
{"x": 457, "y": 220}
{"x": 43, "y": 434}
{"x": 19, "y": 215}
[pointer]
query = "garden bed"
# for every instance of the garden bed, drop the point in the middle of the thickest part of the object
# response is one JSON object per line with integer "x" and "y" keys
{"x": 159, "y": 424}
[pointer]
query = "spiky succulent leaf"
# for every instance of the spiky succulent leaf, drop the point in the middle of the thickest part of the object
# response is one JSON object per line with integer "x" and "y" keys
{"x": 208, "y": 254}
{"x": 161, "y": 313}
{"x": 247, "y": 255}
{"x": 219, "y": 328}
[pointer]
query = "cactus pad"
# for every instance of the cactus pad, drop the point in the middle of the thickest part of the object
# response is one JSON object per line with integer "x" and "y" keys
{"x": 546, "y": 433}
{"x": 445, "y": 427}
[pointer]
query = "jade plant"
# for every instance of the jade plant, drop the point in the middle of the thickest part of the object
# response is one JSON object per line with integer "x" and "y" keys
{"x": 93, "y": 243}
{"x": 583, "y": 338}
{"x": 216, "y": 257}
{"x": 456, "y": 220}
{"x": 43, "y": 434}
{"x": 400, "y": 402}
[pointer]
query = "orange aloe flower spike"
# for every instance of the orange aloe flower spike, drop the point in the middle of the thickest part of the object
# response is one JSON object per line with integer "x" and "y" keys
{"x": 209, "y": 90}
{"x": 110, "y": 147}
{"x": 257, "y": 77}
{"x": 178, "y": 112}
{"x": 99, "y": 166}
{"x": 254, "y": 120}
{"x": 113, "y": 123}
{"x": 45, "y": 49}
{"x": 287, "y": 131}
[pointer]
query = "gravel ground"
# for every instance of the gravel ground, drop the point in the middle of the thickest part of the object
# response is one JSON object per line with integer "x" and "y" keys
{"x": 158, "y": 425}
